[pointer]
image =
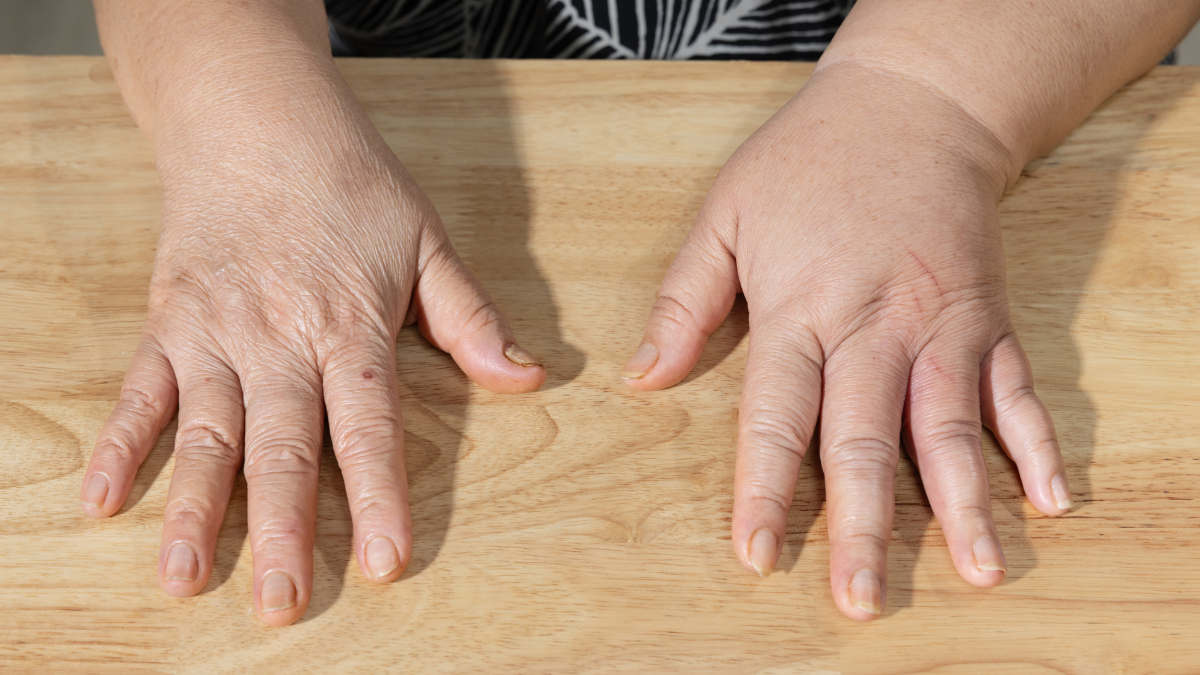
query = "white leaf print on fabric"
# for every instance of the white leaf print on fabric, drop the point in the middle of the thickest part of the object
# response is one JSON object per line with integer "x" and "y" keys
{"x": 598, "y": 29}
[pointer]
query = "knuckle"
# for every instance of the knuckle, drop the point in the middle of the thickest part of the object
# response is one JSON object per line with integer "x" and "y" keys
{"x": 953, "y": 436}
{"x": 142, "y": 402}
{"x": 282, "y": 457}
{"x": 289, "y": 380}
{"x": 209, "y": 443}
{"x": 354, "y": 325}
{"x": 970, "y": 510}
{"x": 859, "y": 536}
{"x": 117, "y": 447}
{"x": 282, "y": 533}
{"x": 188, "y": 512}
{"x": 377, "y": 504}
{"x": 367, "y": 441}
{"x": 781, "y": 433}
{"x": 1021, "y": 396}
{"x": 670, "y": 311}
{"x": 358, "y": 343}
{"x": 1046, "y": 446}
{"x": 861, "y": 455}
{"x": 769, "y": 494}
{"x": 788, "y": 343}
{"x": 483, "y": 316}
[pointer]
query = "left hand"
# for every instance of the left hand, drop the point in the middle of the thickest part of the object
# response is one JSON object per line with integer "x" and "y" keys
{"x": 861, "y": 224}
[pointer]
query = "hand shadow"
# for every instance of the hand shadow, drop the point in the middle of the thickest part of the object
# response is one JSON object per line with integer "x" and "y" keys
{"x": 723, "y": 341}
{"x": 150, "y": 469}
{"x": 461, "y": 147}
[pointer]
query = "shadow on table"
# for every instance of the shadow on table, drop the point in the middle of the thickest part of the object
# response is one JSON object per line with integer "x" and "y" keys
{"x": 469, "y": 164}
{"x": 150, "y": 469}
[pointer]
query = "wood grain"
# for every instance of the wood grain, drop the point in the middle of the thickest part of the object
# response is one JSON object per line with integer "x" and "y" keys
{"x": 584, "y": 528}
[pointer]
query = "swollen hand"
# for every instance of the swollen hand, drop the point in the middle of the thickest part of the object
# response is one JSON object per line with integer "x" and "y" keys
{"x": 861, "y": 224}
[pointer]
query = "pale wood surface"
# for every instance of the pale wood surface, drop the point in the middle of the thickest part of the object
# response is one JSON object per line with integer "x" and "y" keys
{"x": 584, "y": 528}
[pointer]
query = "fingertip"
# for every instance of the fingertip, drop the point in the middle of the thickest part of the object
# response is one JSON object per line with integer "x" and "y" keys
{"x": 761, "y": 552}
{"x": 180, "y": 573}
{"x": 382, "y": 561}
{"x": 985, "y": 579}
{"x": 280, "y": 602}
{"x": 1051, "y": 497}
{"x": 651, "y": 369}
{"x": 758, "y": 528}
{"x": 280, "y": 619}
{"x": 519, "y": 355}
{"x": 180, "y": 589}
{"x": 984, "y": 566}
{"x": 1061, "y": 493}
{"x": 641, "y": 363}
{"x": 93, "y": 496}
{"x": 863, "y": 595}
{"x": 503, "y": 369}
{"x": 529, "y": 374}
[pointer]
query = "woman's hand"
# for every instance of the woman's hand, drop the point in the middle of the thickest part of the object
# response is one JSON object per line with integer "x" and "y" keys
{"x": 861, "y": 224}
{"x": 293, "y": 249}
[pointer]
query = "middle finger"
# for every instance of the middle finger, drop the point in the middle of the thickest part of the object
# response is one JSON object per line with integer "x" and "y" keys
{"x": 284, "y": 425}
{"x": 865, "y": 382}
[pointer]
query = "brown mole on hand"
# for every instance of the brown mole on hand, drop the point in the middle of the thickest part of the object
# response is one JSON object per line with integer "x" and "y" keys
{"x": 367, "y": 375}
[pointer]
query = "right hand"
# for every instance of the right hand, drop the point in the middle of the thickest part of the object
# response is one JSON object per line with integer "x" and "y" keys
{"x": 293, "y": 249}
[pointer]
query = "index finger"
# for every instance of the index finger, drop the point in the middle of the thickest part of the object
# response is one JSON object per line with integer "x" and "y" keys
{"x": 780, "y": 402}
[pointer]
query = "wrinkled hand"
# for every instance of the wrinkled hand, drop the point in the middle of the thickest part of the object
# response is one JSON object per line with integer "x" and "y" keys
{"x": 861, "y": 224}
{"x": 287, "y": 265}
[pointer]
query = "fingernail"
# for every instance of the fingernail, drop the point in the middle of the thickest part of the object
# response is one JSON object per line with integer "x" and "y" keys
{"x": 988, "y": 556}
{"x": 278, "y": 592}
{"x": 1062, "y": 496}
{"x": 382, "y": 558}
{"x": 519, "y": 356}
{"x": 182, "y": 563}
{"x": 866, "y": 593}
{"x": 642, "y": 361}
{"x": 96, "y": 491}
{"x": 762, "y": 551}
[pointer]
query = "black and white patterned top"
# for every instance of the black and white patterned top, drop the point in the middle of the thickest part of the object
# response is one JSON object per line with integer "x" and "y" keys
{"x": 586, "y": 29}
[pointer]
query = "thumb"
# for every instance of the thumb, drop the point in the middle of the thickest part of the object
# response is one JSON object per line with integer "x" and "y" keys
{"x": 457, "y": 316}
{"x": 695, "y": 297}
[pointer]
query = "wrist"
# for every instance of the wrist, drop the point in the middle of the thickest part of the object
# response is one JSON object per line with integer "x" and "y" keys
{"x": 279, "y": 132}
{"x": 907, "y": 121}
{"x": 260, "y": 102}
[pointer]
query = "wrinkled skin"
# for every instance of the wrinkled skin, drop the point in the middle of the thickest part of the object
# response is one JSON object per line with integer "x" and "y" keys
{"x": 283, "y": 276}
{"x": 861, "y": 224}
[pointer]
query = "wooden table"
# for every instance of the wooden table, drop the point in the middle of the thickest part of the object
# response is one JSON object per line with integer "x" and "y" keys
{"x": 585, "y": 528}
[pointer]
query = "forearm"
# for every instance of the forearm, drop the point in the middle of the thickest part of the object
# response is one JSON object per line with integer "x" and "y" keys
{"x": 1028, "y": 72}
